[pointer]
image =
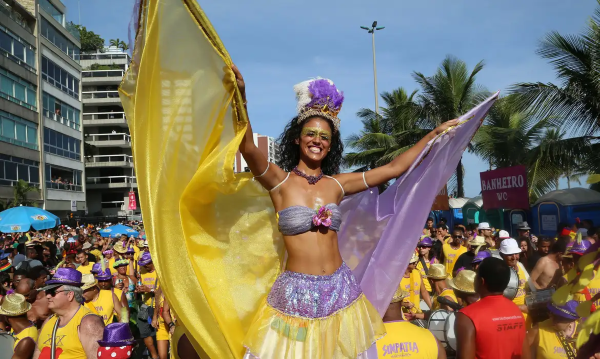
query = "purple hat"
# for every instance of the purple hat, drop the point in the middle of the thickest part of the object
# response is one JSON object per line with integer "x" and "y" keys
{"x": 425, "y": 242}
{"x": 130, "y": 250}
{"x": 568, "y": 311}
{"x": 64, "y": 276}
{"x": 580, "y": 248}
{"x": 117, "y": 335}
{"x": 481, "y": 256}
{"x": 104, "y": 275}
{"x": 145, "y": 259}
{"x": 96, "y": 268}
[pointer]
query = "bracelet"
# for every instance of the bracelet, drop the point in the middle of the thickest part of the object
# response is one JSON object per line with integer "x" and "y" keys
{"x": 264, "y": 173}
{"x": 365, "y": 181}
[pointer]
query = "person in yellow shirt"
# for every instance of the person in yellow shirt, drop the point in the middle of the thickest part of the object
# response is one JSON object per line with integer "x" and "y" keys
{"x": 15, "y": 307}
{"x": 464, "y": 287}
{"x": 147, "y": 285}
{"x": 85, "y": 266}
{"x": 89, "y": 283}
{"x": 403, "y": 339}
{"x": 109, "y": 256}
{"x": 437, "y": 275}
{"x": 425, "y": 260}
{"x": 105, "y": 299}
{"x": 510, "y": 252}
{"x": 554, "y": 337}
{"x": 412, "y": 282}
{"x": 452, "y": 250}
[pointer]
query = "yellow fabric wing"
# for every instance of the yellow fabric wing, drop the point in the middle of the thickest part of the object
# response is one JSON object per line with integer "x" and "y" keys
{"x": 212, "y": 234}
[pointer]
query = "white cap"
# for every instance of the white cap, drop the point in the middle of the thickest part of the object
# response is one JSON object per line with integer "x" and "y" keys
{"x": 509, "y": 246}
{"x": 503, "y": 235}
{"x": 483, "y": 225}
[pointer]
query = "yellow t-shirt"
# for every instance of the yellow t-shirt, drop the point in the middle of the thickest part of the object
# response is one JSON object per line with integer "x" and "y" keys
{"x": 68, "y": 344}
{"x": 29, "y": 332}
{"x": 451, "y": 256}
{"x": 90, "y": 306}
{"x": 105, "y": 306}
{"x": 86, "y": 269}
{"x": 520, "y": 298}
{"x": 412, "y": 285}
{"x": 423, "y": 274}
{"x": 136, "y": 253}
{"x": 448, "y": 292}
{"x": 594, "y": 288}
{"x": 406, "y": 340}
{"x": 549, "y": 346}
{"x": 149, "y": 279}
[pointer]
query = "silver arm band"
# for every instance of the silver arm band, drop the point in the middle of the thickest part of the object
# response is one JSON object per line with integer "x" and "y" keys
{"x": 365, "y": 181}
{"x": 264, "y": 173}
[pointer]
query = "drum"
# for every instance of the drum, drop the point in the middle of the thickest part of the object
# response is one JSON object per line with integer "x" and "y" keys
{"x": 437, "y": 325}
{"x": 423, "y": 305}
{"x": 513, "y": 285}
{"x": 449, "y": 331}
{"x": 6, "y": 343}
{"x": 537, "y": 303}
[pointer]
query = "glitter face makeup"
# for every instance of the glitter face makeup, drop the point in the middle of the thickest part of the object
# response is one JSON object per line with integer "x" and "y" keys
{"x": 324, "y": 135}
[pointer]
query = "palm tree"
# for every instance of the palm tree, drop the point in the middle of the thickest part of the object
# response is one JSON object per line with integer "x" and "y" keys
{"x": 123, "y": 45}
{"x": 510, "y": 137}
{"x": 21, "y": 189}
{"x": 115, "y": 42}
{"x": 449, "y": 93}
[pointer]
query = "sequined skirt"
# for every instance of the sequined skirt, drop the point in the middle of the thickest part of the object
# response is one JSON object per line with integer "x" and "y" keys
{"x": 310, "y": 316}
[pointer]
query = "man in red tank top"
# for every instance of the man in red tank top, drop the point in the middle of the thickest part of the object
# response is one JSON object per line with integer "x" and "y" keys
{"x": 493, "y": 327}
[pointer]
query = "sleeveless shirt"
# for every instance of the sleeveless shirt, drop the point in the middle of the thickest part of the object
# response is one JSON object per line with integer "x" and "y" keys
{"x": 29, "y": 332}
{"x": 423, "y": 274}
{"x": 499, "y": 333}
{"x": 520, "y": 298}
{"x": 450, "y": 257}
{"x": 412, "y": 285}
{"x": 68, "y": 344}
{"x": 405, "y": 340}
{"x": 448, "y": 292}
{"x": 105, "y": 306}
{"x": 549, "y": 346}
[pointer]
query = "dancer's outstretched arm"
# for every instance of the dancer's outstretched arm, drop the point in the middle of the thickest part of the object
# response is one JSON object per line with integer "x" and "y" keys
{"x": 267, "y": 174}
{"x": 354, "y": 182}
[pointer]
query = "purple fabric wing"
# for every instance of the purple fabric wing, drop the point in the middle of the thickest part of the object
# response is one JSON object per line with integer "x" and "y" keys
{"x": 380, "y": 233}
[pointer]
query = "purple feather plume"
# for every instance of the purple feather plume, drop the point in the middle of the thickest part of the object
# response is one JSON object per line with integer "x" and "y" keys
{"x": 325, "y": 93}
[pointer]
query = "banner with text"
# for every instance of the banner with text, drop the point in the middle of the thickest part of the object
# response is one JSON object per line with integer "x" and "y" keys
{"x": 132, "y": 201}
{"x": 441, "y": 201}
{"x": 505, "y": 188}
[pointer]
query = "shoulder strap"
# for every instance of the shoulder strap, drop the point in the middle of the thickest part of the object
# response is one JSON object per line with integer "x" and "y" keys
{"x": 338, "y": 182}
{"x": 424, "y": 265}
{"x": 53, "y": 345}
{"x": 280, "y": 183}
{"x": 566, "y": 345}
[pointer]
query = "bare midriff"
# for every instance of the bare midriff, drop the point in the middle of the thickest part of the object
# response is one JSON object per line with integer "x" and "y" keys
{"x": 315, "y": 252}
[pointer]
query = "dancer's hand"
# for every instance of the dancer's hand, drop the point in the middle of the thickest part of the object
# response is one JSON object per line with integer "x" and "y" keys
{"x": 444, "y": 126}
{"x": 240, "y": 81}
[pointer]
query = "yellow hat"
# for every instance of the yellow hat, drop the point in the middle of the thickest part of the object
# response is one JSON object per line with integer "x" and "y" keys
{"x": 463, "y": 282}
{"x": 14, "y": 305}
{"x": 478, "y": 241}
{"x": 88, "y": 281}
{"x": 118, "y": 247}
{"x": 399, "y": 295}
{"x": 437, "y": 271}
{"x": 414, "y": 258}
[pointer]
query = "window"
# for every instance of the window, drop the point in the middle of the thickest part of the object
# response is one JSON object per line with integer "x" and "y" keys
{"x": 18, "y": 131}
{"x": 15, "y": 168}
{"x": 63, "y": 178}
{"x": 52, "y": 11}
{"x": 60, "y": 78}
{"x": 62, "y": 145}
{"x": 17, "y": 90}
{"x": 17, "y": 49}
{"x": 59, "y": 40}
{"x": 59, "y": 111}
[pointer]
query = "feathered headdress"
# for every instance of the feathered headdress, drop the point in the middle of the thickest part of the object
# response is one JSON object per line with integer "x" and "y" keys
{"x": 319, "y": 97}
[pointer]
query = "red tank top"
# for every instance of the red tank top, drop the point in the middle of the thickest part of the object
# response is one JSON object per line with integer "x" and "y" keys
{"x": 499, "y": 327}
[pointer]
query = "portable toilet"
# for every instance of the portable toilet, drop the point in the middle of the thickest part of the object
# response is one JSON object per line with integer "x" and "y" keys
{"x": 472, "y": 211}
{"x": 564, "y": 206}
{"x": 456, "y": 205}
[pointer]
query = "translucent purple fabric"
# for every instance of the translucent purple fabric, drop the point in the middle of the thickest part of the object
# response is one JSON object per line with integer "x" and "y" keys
{"x": 379, "y": 233}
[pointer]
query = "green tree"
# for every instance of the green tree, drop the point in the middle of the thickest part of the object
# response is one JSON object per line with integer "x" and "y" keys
{"x": 90, "y": 41}
{"x": 123, "y": 45}
{"x": 115, "y": 42}
{"x": 446, "y": 95}
{"x": 20, "y": 190}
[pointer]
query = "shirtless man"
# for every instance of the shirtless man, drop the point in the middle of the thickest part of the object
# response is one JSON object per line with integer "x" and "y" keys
{"x": 546, "y": 268}
{"x": 39, "y": 311}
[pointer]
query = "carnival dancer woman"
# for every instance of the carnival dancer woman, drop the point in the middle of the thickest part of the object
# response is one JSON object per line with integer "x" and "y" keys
{"x": 316, "y": 308}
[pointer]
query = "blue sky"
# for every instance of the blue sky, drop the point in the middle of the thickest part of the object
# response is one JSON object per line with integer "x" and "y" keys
{"x": 277, "y": 44}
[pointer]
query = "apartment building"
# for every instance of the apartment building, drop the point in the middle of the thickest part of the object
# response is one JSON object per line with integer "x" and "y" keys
{"x": 40, "y": 107}
{"x": 110, "y": 176}
{"x": 267, "y": 145}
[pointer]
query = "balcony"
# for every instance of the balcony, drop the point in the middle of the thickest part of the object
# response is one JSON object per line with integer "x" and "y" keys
{"x": 113, "y": 204}
{"x": 65, "y": 121}
{"x": 102, "y": 77}
{"x": 101, "y": 97}
{"x": 64, "y": 186}
{"x": 105, "y": 119}
{"x": 16, "y": 16}
{"x": 102, "y": 56}
{"x": 111, "y": 182}
{"x": 122, "y": 140}
{"x": 59, "y": 17}
{"x": 109, "y": 161}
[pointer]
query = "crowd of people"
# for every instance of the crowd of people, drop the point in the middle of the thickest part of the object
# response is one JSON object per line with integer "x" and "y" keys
{"x": 52, "y": 281}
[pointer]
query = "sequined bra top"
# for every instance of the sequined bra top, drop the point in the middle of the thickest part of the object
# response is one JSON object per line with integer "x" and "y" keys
{"x": 299, "y": 219}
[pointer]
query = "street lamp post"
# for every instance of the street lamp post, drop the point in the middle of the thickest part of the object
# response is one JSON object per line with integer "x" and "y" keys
{"x": 372, "y": 30}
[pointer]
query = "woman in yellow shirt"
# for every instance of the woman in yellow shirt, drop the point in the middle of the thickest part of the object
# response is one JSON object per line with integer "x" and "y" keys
{"x": 554, "y": 338}
{"x": 15, "y": 308}
{"x": 424, "y": 248}
{"x": 412, "y": 282}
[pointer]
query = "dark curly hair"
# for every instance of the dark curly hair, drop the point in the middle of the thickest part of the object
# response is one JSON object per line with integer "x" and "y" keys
{"x": 289, "y": 151}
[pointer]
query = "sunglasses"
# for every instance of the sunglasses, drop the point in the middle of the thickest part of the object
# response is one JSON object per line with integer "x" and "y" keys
{"x": 53, "y": 292}
{"x": 424, "y": 247}
{"x": 461, "y": 237}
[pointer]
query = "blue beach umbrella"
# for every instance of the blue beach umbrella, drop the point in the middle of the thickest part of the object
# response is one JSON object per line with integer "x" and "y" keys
{"x": 22, "y": 218}
{"x": 117, "y": 230}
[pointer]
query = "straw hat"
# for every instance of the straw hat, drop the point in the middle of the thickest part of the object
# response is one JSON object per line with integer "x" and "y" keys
{"x": 477, "y": 241}
{"x": 88, "y": 281}
{"x": 14, "y": 305}
{"x": 399, "y": 296}
{"x": 118, "y": 247}
{"x": 437, "y": 271}
{"x": 413, "y": 259}
{"x": 463, "y": 282}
